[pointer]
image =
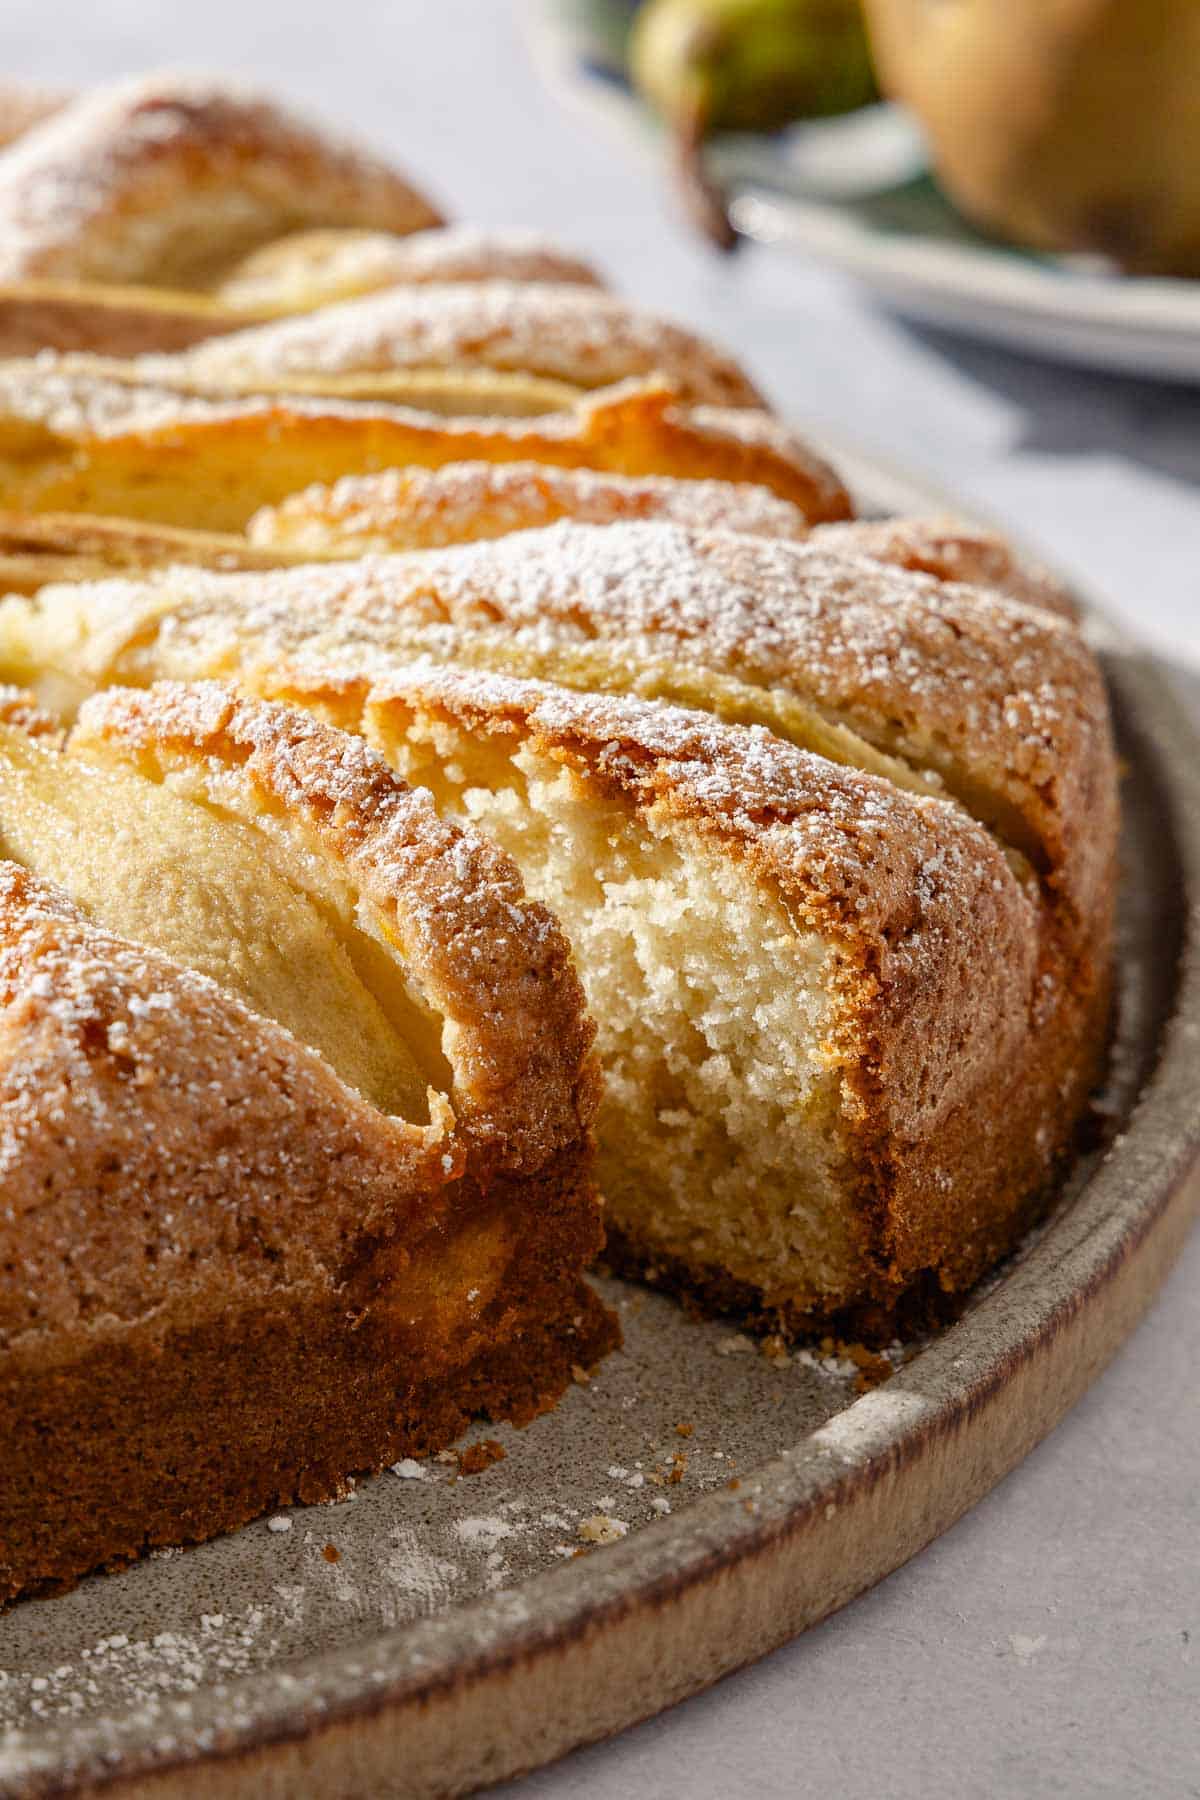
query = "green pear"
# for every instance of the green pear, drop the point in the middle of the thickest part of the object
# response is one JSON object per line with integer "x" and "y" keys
{"x": 1065, "y": 124}
{"x": 744, "y": 65}
{"x": 751, "y": 65}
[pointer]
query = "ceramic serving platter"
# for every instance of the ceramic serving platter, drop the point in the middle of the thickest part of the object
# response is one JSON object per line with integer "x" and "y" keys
{"x": 857, "y": 193}
{"x": 691, "y": 1507}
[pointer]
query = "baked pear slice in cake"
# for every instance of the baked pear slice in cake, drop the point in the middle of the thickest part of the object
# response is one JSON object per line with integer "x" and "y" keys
{"x": 307, "y": 269}
{"x": 293, "y": 273}
{"x": 295, "y": 1098}
{"x": 40, "y": 548}
{"x": 77, "y": 440}
{"x": 564, "y": 332}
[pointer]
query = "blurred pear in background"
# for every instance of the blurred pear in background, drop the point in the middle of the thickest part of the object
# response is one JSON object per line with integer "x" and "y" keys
{"x": 751, "y": 65}
{"x": 1064, "y": 124}
{"x": 745, "y": 65}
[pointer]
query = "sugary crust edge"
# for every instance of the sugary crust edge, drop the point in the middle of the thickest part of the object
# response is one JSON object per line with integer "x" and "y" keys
{"x": 565, "y": 331}
{"x": 471, "y": 501}
{"x": 468, "y": 501}
{"x": 953, "y": 550}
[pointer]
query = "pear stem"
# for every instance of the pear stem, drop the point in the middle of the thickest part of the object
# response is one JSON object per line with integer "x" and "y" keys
{"x": 704, "y": 200}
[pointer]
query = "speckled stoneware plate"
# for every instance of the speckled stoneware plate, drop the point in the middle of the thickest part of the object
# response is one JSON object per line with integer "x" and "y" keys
{"x": 436, "y": 1633}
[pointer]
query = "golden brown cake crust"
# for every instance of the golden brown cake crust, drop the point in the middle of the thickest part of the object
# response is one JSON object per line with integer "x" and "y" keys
{"x": 102, "y": 1042}
{"x": 953, "y": 550}
{"x": 111, "y": 187}
{"x": 416, "y": 509}
{"x": 180, "y": 1175}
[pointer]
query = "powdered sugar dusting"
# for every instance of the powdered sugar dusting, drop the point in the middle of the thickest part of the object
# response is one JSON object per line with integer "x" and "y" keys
{"x": 115, "y": 186}
{"x": 1001, "y": 701}
{"x": 361, "y": 261}
{"x": 414, "y": 508}
{"x": 572, "y": 333}
{"x": 954, "y": 550}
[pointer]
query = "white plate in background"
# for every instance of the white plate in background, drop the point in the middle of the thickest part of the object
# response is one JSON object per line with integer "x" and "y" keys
{"x": 856, "y": 193}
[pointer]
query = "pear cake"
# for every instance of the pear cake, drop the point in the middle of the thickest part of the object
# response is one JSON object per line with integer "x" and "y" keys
{"x": 291, "y": 1065}
{"x": 163, "y": 211}
{"x": 456, "y": 715}
{"x": 813, "y": 1075}
{"x": 742, "y": 1015}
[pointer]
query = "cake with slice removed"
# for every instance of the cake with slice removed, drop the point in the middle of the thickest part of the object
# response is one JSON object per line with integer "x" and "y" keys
{"x": 844, "y": 1051}
{"x": 887, "y": 695}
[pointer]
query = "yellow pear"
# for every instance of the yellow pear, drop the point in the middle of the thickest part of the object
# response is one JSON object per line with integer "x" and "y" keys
{"x": 1065, "y": 124}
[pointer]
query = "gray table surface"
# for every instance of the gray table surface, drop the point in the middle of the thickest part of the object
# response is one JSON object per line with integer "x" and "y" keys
{"x": 1050, "y": 1643}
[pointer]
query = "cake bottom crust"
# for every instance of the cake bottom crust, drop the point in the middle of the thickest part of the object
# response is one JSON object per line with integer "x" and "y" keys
{"x": 138, "y": 1448}
{"x": 708, "y": 1292}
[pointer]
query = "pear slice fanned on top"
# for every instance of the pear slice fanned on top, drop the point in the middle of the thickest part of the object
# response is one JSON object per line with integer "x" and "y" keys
{"x": 165, "y": 871}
